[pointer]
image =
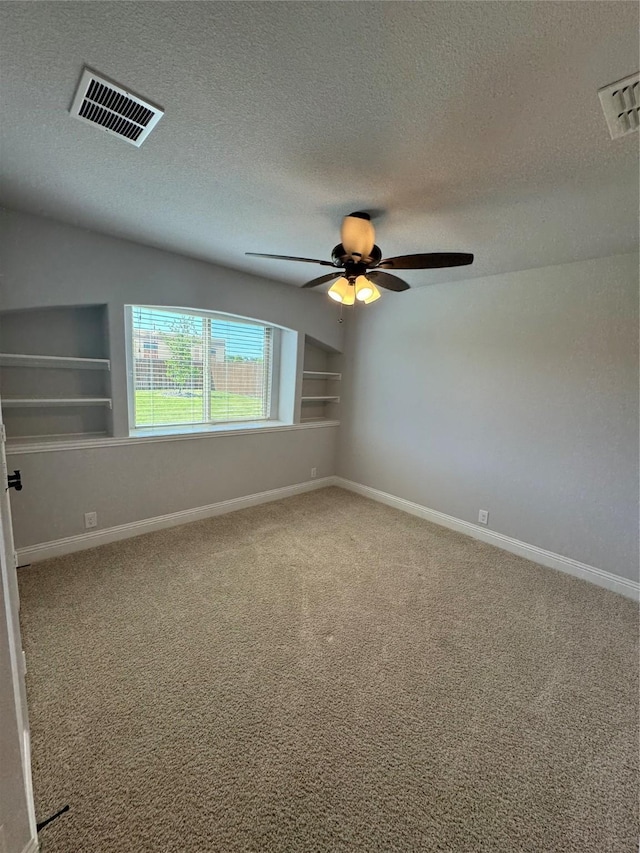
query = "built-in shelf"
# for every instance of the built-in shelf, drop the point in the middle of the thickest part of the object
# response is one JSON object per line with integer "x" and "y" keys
{"x": 43, "y": 402}
{"x": 55, "y": 374}
{"x": 11, "y": 359}
{"x": 321, "y": 368}
{"x": 58, "y": 439}
{"x": 320, "y": 374}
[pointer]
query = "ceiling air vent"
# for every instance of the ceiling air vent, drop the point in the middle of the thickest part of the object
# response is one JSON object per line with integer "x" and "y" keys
{"x": 106, "y": 105}
{"x": 620, "y": 102}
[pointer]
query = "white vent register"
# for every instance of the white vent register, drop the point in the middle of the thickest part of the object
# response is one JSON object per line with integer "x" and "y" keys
{"x": 621, "y": 102}
{"x": 106, "y": 105}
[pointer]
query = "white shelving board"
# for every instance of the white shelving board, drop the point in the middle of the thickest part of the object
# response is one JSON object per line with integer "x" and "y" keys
{"x": 41, "y": 402}
{"x": 320, "y": 374}
{"x": 13, "y": 359}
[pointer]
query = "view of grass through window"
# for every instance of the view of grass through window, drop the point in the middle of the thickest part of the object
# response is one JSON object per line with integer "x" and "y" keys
{"x": 196, "y": 369}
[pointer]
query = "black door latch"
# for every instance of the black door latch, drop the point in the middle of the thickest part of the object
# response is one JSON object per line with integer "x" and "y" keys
{"x": 14, "y": 481}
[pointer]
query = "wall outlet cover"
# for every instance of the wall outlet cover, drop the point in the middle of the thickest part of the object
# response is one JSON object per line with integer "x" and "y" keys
{"x": 483, "y": 516}
{"x": 90, "y": 520}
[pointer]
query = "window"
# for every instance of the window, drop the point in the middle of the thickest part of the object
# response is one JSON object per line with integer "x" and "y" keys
{"x": 195, "y": 367}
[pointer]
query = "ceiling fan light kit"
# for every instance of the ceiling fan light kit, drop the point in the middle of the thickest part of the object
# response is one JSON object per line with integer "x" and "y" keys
{"x": 363, "y": 265}
{"x": 346, "y": 292}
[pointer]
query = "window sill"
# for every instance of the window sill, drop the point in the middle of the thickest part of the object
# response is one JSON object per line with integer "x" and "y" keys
{"x": 205, "y": 429}
{"x": 44, "y": 444}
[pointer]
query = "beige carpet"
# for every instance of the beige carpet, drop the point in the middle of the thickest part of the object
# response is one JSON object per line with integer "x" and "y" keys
{"x": 328, "y": 674}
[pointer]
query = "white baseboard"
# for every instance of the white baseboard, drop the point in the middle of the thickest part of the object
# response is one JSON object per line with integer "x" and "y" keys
{"x": 70, "y": 544}
{"x": 609, "y": 581}
{"x": 32, "y": 846}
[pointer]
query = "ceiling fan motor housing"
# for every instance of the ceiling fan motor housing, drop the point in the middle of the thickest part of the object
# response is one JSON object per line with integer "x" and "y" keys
{"x": 341, "y": 257}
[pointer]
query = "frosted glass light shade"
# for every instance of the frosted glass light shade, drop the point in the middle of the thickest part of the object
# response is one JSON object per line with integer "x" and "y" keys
{"x": 364, "y": 288}
{"x": 375, "y": 294}
{"x": 342, "y": 291}
{"x": 357, "y": 236}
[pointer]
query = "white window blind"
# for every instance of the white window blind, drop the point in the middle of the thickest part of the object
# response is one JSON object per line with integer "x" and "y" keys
{"x": 197, "y": 368}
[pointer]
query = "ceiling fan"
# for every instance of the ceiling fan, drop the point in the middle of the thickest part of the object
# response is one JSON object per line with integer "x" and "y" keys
{"x": 362, "y": 267}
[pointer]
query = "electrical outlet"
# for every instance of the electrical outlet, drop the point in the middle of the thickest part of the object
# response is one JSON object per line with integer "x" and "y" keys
{"x": 483, "y": 516}
{"x": 314, "y": 473}
{"x": 90, "y": 520}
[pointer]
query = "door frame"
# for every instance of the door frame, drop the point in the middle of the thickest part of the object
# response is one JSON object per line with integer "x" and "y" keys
{"x": 9, "y": 578}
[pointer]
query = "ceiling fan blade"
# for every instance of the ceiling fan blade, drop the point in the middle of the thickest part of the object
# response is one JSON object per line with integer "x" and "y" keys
{"x": 289, "y": 258}
{"x": 323, "y": 279}
{"x": 431, "y": 261}
{"x": 391, "y": 282}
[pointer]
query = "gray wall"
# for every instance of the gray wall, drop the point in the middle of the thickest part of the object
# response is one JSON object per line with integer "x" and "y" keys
{"x": 46, "y": 263}
{"x": 516, "y": 393}
{"x": 132, "y": 482}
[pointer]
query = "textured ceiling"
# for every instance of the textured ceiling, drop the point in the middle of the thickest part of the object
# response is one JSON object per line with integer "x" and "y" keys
{"x": 469, "y": 126}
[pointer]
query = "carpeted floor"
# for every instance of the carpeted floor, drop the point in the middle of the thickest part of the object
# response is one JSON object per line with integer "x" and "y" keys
{"x": 328, "y": 674}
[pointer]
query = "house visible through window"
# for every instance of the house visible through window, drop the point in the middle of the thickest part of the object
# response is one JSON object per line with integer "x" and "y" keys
{"x": 197, "y": 368}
